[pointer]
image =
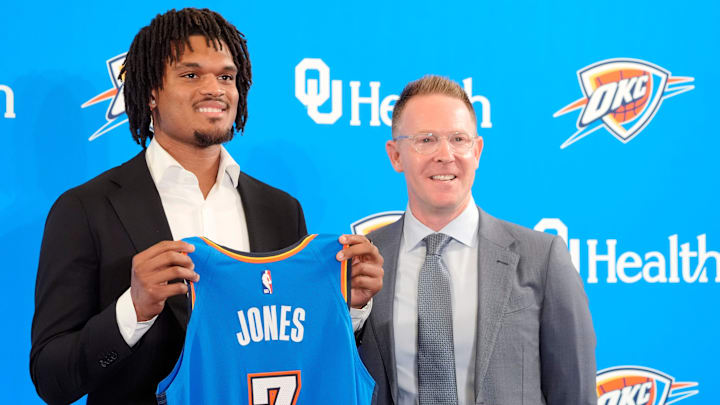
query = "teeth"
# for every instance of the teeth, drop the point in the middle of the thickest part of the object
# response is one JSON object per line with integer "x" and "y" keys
{"x": 443, "y": 177}
{"x": 210, "y": 110}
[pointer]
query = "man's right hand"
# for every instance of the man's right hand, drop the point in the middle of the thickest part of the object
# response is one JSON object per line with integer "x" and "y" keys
{"x": 152, "y": 269}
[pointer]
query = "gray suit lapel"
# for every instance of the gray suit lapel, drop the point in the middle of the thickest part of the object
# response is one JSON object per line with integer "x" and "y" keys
{"x": 496, "y": 265}
{"x": 382, "y": 319}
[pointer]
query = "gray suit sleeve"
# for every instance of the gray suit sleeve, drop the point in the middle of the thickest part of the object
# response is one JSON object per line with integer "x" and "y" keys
{"x": 567, "y": 338}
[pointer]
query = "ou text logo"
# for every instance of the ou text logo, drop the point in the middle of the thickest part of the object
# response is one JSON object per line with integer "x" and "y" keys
{"x": 315, "y": 92}
{"x": 9, "y": 101}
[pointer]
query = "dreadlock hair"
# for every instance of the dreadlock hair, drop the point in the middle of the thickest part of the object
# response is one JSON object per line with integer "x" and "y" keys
{"x": 163, "y": 42}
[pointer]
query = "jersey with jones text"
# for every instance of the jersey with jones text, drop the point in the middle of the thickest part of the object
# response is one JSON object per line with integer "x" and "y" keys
{"x": 270, "y": 328}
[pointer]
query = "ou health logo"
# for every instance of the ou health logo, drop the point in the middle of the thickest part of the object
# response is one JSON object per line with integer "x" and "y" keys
{"x": 635, "y": 385}
{"x": 314, "y": 88}
{"x": 621, "y": 95}
{"x": 9, "y": 101}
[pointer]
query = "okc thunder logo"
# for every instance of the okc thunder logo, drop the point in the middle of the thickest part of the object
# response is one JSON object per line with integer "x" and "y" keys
{"x": 375, "y": 221}
{"x": 634, "y": 385}
{"x": 116, "y": 110}
{"x": 621, "y": 95}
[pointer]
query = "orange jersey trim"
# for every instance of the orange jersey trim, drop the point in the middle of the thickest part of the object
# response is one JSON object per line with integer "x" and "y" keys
{"x": 344, "y": 278}
{"x": 192, "y": 294}
{"x": 263, "y": 259}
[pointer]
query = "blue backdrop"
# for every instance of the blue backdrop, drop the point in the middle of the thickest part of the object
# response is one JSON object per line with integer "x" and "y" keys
{"x": 635, "y": 198}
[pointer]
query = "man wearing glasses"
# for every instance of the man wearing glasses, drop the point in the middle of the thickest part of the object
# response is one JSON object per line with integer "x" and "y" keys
{"x": 474, "y": 310}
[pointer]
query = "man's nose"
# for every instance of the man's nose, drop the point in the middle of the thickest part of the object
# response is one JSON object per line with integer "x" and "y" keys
{"x": 445, "y": 151}
{"x": 211, "y": 86}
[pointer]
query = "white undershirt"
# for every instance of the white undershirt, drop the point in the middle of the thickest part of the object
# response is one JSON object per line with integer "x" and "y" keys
{"x": 461, "y": 257}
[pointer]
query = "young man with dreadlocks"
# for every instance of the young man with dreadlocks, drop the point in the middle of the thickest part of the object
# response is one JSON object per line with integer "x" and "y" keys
{"x": 110, "y": 307}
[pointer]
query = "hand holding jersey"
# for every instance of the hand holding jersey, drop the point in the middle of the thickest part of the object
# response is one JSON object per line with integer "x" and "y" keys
{"x": 154, "y": 269}
{"x": 367, "y": 272}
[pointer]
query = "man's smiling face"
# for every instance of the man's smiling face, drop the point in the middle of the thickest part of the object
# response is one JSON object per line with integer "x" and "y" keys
{"x": 438, "y": 183}
{"x": 198, "y": 102}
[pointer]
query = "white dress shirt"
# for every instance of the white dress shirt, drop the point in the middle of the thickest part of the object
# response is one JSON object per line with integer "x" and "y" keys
{"x": 461, "y": 257}
{"x": 219, "y": 217}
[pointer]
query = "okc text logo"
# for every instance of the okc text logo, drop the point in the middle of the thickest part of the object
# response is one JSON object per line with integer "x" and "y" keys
{"x": 635, "y": 385}
{"x": 117, "y": 106}
{"x": 9, "y": 101}
{"x": 621, "y": 95}
{"x": 313, "y": 93}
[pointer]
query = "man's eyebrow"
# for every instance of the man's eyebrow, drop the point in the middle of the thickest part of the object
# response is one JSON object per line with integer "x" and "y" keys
{"x": 185, "y": 65}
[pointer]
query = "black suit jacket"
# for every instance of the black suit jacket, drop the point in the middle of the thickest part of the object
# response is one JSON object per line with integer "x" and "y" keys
{"x": 91, "y": 234}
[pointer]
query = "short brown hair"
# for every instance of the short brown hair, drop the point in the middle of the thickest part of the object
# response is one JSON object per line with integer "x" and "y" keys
{"x": 428, "y": 85}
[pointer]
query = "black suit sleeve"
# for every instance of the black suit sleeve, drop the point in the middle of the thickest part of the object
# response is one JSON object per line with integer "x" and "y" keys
{"x": 75, "y": 343}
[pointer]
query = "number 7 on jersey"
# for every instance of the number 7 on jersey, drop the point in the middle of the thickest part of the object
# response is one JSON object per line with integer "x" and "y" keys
{"x": 276, "y": 388}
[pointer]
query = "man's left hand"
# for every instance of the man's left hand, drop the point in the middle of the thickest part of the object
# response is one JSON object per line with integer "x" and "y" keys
{"x": 367, "y": 272}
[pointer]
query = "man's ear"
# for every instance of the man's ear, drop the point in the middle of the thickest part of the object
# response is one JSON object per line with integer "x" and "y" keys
{"x": 152, "y": 103}
{"x": 478, "y": 149}
{"x": 391, "y": 147}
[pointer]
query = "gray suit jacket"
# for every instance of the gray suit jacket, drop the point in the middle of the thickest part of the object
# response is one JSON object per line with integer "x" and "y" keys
{"x": 535, "y": 339}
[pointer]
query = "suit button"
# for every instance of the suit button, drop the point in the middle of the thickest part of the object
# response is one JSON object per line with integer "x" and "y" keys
{"x": 108, "y": 359}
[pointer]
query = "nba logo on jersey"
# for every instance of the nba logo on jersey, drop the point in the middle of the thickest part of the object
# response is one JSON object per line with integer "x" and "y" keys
{"x": 266, "y": 282}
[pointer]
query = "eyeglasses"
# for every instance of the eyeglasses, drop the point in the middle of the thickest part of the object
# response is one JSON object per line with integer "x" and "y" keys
{"x": 427, "y": 143}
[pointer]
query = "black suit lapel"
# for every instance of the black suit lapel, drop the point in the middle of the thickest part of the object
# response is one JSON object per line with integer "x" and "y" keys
{"x": 255, "y": 216}
{"x": 274, "y": 219}
{"x": 139, "y": 208}
{"x": 138, "y": 205}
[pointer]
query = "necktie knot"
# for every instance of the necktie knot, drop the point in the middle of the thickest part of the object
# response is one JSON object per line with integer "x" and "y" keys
{"x": 435, "y": 243}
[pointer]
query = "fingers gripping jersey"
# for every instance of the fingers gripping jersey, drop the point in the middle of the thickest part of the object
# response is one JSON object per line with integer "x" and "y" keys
{"x": 269, "y": 328}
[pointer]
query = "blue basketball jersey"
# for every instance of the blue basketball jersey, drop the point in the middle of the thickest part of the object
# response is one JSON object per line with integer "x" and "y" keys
{"x": 270, "y": 328}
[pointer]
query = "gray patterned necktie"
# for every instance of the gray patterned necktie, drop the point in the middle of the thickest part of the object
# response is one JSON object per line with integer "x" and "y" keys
{"x": 435, "y": 355}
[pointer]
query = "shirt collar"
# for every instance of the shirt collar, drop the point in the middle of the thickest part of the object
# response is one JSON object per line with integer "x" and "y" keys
{"x": 160, "y": 163}
{"x": 462, "y": 229}
{"x": 228, "y": 167}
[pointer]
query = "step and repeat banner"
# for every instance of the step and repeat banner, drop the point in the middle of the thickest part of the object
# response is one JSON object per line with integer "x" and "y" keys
{"x": 599, "y": 123}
